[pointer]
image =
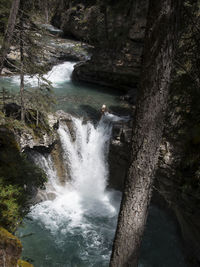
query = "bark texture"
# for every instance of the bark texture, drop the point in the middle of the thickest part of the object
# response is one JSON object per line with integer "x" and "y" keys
{"x": 160, "y": 43}
{"x": 9, "y": 32}
{"x": 22, "y": 66}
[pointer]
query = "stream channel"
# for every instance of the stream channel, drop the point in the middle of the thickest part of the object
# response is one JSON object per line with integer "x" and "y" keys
{"x": 75, "y": 223}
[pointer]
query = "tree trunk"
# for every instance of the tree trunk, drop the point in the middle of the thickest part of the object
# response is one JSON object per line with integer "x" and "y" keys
{"x": 22, "y": 67}
{"x": 4, "y": 98}
{"x": 37, "y": 118}
{"x": 9, "y": 32}
{"x": 46, "y": 11}
{"x": 160, "y": 40}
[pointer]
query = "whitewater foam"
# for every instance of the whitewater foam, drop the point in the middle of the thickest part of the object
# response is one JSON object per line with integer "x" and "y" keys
{"x": 85, "y": 195}
{"x": 59, "y": 74}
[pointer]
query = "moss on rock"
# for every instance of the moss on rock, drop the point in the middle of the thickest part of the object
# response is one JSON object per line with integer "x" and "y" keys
{"x": 7, "y": 238}
{"x": 10, "y": 249}
{"x": 22, "y": 263}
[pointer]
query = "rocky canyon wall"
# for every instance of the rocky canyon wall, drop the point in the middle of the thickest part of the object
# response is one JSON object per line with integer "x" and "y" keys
{"x": 116, "y": 30}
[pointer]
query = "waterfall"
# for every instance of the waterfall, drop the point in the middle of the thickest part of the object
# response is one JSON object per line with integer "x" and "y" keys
{"x": 87, "y": 157}
{"x": 74, "y": 222}
{"x": 60, "y": 73}
{"x": 57, "y": 75}
{"x": 67, "y": 207}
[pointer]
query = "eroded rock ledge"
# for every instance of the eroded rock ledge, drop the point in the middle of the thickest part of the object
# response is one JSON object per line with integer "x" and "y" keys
{"x": 27, "y": 139}
{"x": 54, "y": 50}
{"x": 116, "y": 32}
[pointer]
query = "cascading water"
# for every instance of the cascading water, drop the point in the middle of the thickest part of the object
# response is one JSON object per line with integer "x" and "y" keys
{"x": 78, "y": 208}
{"x": 87, "y": 157}
{"x": 57, "y": 75}
{"x": 73, "y": 98}
{"x": 74, "y": 224}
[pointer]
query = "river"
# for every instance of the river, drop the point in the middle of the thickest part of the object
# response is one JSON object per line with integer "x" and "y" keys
{"x": 74, "y": 225}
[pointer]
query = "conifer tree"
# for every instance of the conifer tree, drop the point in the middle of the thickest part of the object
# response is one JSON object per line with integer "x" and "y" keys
{"x": 160, "y": 43}
{"x": 5, "y": 6}
{"x": 29, "y": 35}
{"x": 9, "y": 32}
{"x": 27, "y": 38}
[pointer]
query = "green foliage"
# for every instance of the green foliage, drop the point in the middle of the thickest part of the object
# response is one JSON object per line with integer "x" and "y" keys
{"x": 28, "y": 40}
{"x": 38, "y": 102}
{"x": 5, "y": 6}
{"x": 10, "y": 211}
{"x": 15, "y": 166}
{"x": 18, "y": 177}
{"x": 34, "y": 101}
{"x": 7, "y": 239}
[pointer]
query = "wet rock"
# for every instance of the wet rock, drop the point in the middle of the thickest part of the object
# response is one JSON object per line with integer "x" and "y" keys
{"x": 58, "y": 49}
{"x": 119, "y": 154}
{"x": 59, "y": 163}
{"x": 10, "y": 249}
{"x": 67, "y": 119}
{"x": 116, "y": 32}
{"x": 103, "y": 73}
{"x": 54, "y": 50}
{"x": 63, "y": 116}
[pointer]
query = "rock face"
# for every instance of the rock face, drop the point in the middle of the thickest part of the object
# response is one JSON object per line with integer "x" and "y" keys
{"x": 116, "y": 31}
{"x": 177, "y": 176}
{"x": 119, "y": 154}
{"x": 27, "y": 139}
{"x": 10, "y": 250}
{"x": 57, "y": 157}
{"x": 53, "y": 51}
{"x": 57, "y": 153}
